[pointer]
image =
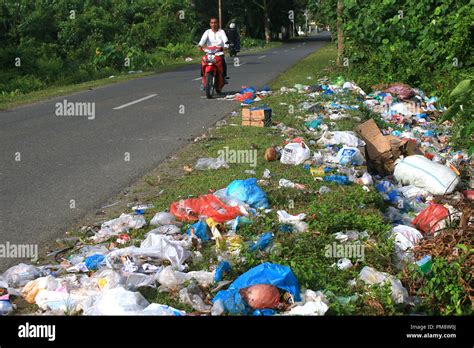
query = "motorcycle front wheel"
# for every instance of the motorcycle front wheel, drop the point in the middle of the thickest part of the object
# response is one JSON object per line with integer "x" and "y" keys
{"x": 209, "y": 85}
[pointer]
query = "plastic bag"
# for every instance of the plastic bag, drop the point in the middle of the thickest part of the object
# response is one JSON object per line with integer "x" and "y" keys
{"x": 199, "y": 230}
{"x": 120, "y": 225}
{"x": 163, "y": 218}
{"x": 192, "y": 296}
{"x": 5, "y": 307}
{"x": 406, "y": 238}
{"x": 340, "y": 137}
{"x": 249, "y": 192}
{"x": 21, "y": 274}
{"x": 93, "y": 262}
{"x": 316, "y": 307}
{"x": 170, "y": 279}
{"x": 350, "y": 155}
{"x": 192, "y": 209}
{"x": 428, "y": 220}
{"x": 294, "y": 220}
{"x": 419, "y": 171}
{"x": 371, "y": 276}
{"x": 32, "y": 288}
{"x": 57, "y": 301}
{"x": 118, "y": 301}
{"x": 162, "y": 310}
{"x": 402, "y": 91}
{"x": 295, "y": 153}
{"x": 267, "y": 273}
{"x": 210, "y": 163}
{"x": 165, "y": 229}
{"x": 167, "y": 249}
{"x": 263, "y": 241}
{"x": 221, "y": 269}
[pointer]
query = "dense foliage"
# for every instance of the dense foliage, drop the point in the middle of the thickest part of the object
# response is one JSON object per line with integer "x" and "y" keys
{"x": 48, "y": 42}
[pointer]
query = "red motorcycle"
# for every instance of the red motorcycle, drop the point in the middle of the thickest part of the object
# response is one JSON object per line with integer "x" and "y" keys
{"x": 212, "y": 70}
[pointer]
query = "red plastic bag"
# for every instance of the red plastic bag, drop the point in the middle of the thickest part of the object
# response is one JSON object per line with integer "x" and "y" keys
{"x": 427, "y": 221}
{"x": 208, "y": 205}
{"x": 261, "y": 296}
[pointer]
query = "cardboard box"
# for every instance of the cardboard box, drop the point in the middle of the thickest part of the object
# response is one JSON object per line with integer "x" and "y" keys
{"x": 259, "y": 117}
{"x": 382, "y": 151}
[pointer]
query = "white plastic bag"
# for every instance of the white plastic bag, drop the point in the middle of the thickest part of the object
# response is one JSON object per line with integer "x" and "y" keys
{"x": 163, "y": 218}
{"x": 162, "y": 310}
{"x": 210, "y": 163}
{"x": 419, "y": 171}
{"x": 340, "y": 137}
{"x": 294, "y": 220}
{"x": 295, "y": 153}
{"x": 120, "y": 225}
{"x": 118, "y": 301}
{"x": 371, "y": 276}
{"x": 20, "y": 274}
{"x": 32, "y": 288}
{"x": 406, "y": 238}
{"x": 170, "y": 279}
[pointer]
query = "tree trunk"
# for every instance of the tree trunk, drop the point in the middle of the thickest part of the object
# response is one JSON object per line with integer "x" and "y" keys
{"x": 340, "y": 34}
{"x": 268, "y": 34}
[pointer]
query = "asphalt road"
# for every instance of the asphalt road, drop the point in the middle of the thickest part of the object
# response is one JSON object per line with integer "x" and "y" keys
{"x": 55, "y": 169}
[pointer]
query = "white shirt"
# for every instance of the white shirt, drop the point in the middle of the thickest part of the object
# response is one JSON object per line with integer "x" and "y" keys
{"x": 210, "y": 38}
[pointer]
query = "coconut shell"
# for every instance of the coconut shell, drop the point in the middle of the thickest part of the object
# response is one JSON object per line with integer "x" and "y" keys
{"x": 270, "y": 154}
{"x": 261, "y": 296}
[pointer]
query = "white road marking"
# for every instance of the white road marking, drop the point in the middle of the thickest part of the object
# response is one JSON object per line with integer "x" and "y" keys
{"x": 240, "y": 64}
{"x": 293, "y": 48}
{"x": 135, "y": 102}
{"x": 197, "y": 79}
{"x": 261, "y": 57}
{"x": 286, "y": 50}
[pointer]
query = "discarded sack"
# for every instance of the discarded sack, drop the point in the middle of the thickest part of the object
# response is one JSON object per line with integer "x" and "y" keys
{"x": 20, "y": 274}
{"x": 267, "y": 273}
{"x": 428, "y": 220}
{"x": 162, "y": 218}
{"x": 192, "y": 209}
{"x": 421, "y": 172}
{"x": 249, "y": 192}
{"x": 295, "y": 153}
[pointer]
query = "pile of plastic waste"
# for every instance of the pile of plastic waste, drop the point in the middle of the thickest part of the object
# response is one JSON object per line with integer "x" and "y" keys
{"x": 409, "y": 161}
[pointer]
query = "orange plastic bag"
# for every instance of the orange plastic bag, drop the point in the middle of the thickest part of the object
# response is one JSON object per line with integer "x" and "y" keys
{"x": 427, "y": 221}
{"x": 208, "y": 205}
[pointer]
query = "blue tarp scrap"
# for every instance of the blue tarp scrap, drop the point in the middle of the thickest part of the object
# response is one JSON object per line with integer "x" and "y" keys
{"x": 267, "y": 273}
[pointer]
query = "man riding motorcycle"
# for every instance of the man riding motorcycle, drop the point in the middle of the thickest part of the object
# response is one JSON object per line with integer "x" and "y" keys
{"x": 234, "y": 38}
{"x": 215, "y": 37}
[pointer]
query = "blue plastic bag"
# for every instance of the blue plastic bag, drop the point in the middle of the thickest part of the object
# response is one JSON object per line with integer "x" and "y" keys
{"x": 267, "y": 273}
{"x": 93, "y": 262}
{"x": 200, "y": 230}
{"x": 222, "y": 268}
{"x": 262, "y": 242}
{"x": 249, "y": 192}
{"x": 339, "y": 179}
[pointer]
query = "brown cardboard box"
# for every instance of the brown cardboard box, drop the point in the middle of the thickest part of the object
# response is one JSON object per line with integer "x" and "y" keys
{"x": 382, "y": 151}
{"x": 259, "y": 117}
